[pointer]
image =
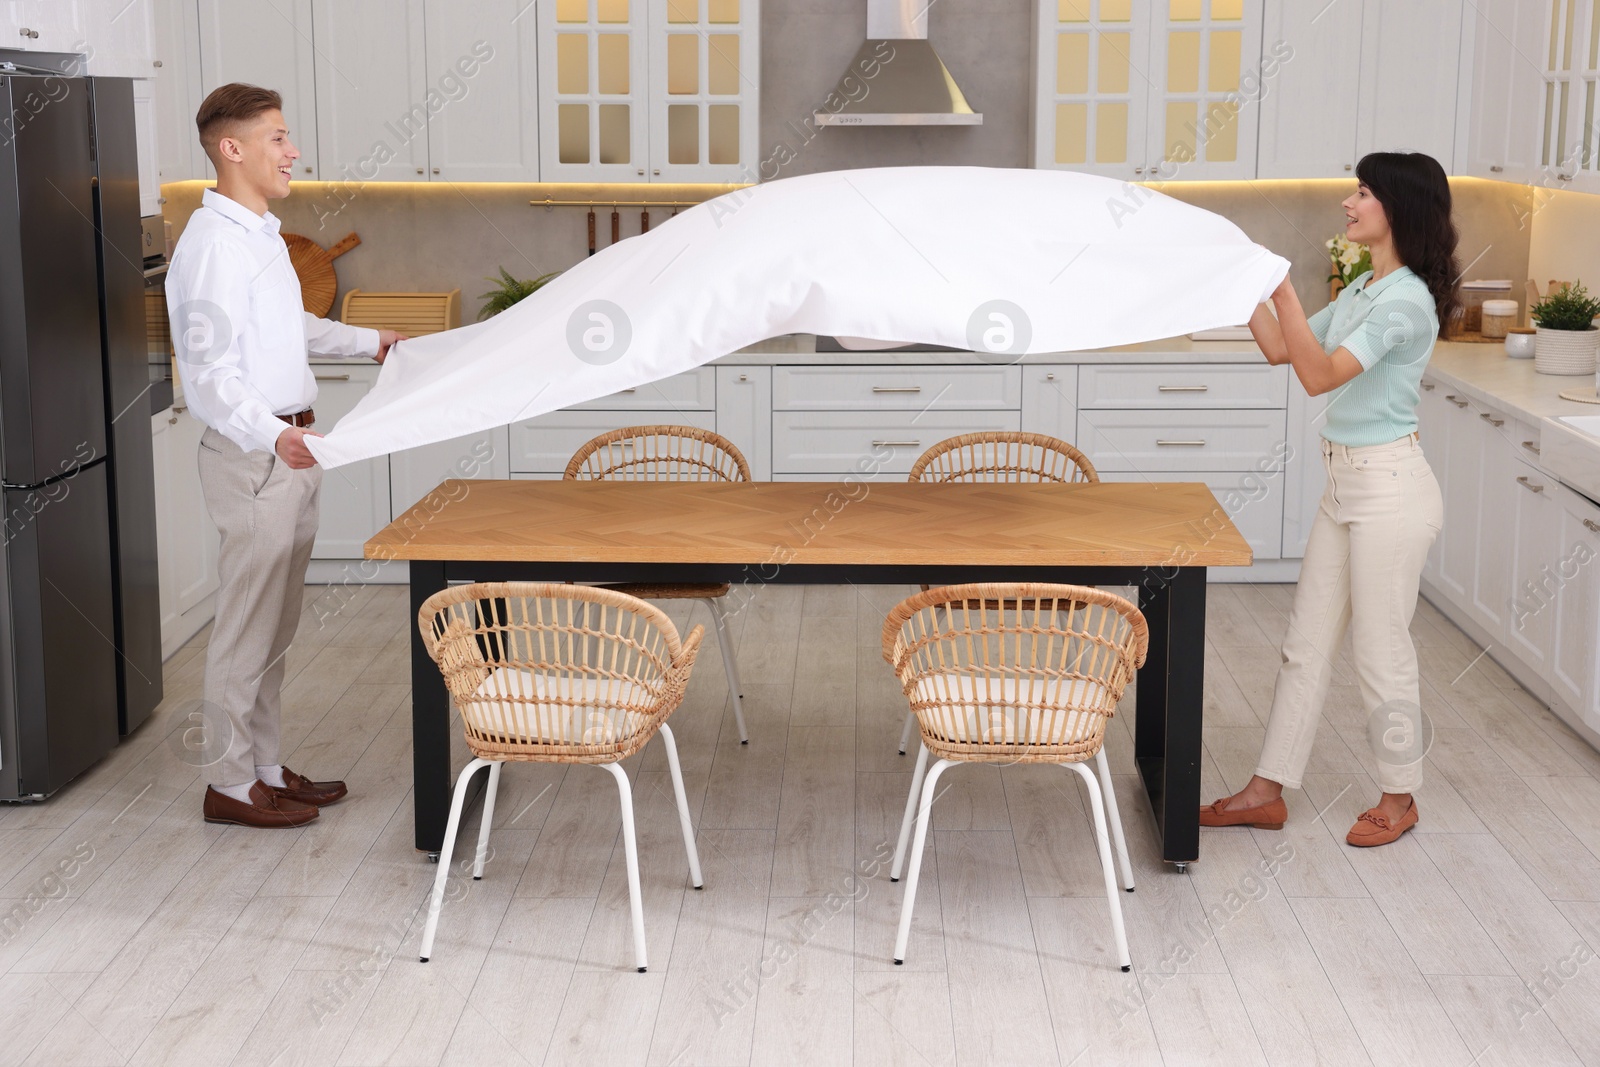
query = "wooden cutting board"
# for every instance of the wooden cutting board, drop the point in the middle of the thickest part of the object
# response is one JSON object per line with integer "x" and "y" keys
{"x": 314, "y": 265}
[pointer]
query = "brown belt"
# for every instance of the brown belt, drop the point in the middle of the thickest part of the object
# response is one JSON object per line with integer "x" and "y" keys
{"x": 300, "y": 418}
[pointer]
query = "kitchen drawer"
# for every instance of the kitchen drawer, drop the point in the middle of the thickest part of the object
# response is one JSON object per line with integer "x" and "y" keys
{"x": 1253, "y": 500}
{"x": 895, "y": 388}
{"x": 1183, "y": 385}
{"x": 545, "y": 444}
{"x": 1183, "y": 440}
{"x": 694, "y": 390}
{"x": 839, "y": 442}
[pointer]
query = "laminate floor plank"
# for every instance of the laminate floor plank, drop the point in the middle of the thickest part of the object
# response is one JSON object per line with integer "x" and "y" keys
{"x": 175, "y": 942}
{"x": 1393, "y": 1008}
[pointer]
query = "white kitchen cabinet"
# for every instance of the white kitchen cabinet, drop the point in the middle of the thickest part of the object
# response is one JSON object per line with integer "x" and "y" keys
{"x": 1569, "y": 127}
{"x": 704, "y": 71}
{"x": 372, "y": 93}
{"x": 42, "y": 25}
{"x": 176, "y": 83}
{"x": 118, "y": 38}
{"x": 1433, "y": 431}
{"x": 1050, "y": 400}
{"x": 146, "y": 136}
{"x": 483, "y": 58}
{"x": 1149, "y": 91}
{"x": 1321, "y": 79}
{"x": 546, "y": 443}
{"x": 355, "y": 497}
{"x": 1574, "y": 670}
{"x": 1536, "y": 559}
{"x": 1410, "y": 58}
{"x": 642, "y": 90}
{"x": 744, "y": 415}
{"x": 187, "y": 541}
{"x": 1497, "y": 473}
{"x": 1500, "y": 89}
{"x": 416, "y": 472}
{"x": 1462, "y": 455}
{"x": 269, "y": 44}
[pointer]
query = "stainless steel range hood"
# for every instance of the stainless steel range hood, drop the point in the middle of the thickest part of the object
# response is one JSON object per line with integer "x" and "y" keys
{"x": 896, "y": 78}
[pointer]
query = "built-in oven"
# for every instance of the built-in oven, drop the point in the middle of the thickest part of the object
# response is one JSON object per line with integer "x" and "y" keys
{"x": 158, "y": 335}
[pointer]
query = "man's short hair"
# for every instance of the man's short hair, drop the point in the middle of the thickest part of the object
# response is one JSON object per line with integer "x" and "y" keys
{"x": 227, "y": 108}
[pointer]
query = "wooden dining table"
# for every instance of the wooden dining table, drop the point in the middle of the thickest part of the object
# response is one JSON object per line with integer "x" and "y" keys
{"x": 1156, "y": 536}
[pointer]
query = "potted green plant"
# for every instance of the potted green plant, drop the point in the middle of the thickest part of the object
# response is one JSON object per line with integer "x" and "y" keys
{"x": 508, "y": 290}
{"x": 1568, "y": 341}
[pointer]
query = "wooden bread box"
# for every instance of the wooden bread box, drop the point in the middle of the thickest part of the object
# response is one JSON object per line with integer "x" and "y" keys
{"x": 413, "y": 314}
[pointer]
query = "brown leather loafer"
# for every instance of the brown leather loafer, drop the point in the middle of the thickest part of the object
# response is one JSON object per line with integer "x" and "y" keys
{"x": 265, "y": 810}
{"x": 1269, "y": 816}
{"x": 306, "y": 791}
{"x": 1376, "y": 828}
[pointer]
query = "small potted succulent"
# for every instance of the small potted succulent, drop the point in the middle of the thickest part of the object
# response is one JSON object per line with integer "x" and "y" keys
{"x": 1568, "y": 341}
{"x": 1350, "y": 261}
{"x": 508, "y": 291}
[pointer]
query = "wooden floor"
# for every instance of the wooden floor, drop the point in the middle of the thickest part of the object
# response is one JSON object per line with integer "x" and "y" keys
{"x": 136, "y": 933}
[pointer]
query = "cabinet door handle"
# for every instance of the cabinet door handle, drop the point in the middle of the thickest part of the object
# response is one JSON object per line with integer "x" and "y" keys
{"x": 897, "y": 444}
{"x": 1490, "y": 419}
{"x": 331, "y": 377}
{"x": 1495, "y": 168}
{"x": 1531, "y": 447}
{"x": 1427, "y": 387}
{"x": 1050, "y": 377}
{"x": 1452, "y": 398}
{"x": 1181, "y": 444}
{"x": 897, "y": 388}
{"x": 1182, "y": 388}
{"x": 179, "y": 409}
{"x": 744, "y": 377}
{"x": 1590, "y": 524}
{"x": 1522, "y": 480}
{"x": 633, "y": 390}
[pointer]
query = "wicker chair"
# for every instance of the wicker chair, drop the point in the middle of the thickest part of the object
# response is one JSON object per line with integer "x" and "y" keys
{"x": 553, "y": 673}
{"x": 999, "y": 456}
{"x": 671, "y": 454}
{"x": 1023, "y": 673}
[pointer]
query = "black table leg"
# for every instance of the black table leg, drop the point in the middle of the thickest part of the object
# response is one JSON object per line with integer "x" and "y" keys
{"x": 1170, "y": 697}
{"x": 430, "y": 721}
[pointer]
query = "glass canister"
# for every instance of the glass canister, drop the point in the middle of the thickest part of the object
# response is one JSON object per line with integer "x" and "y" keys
{"x": 1473, "y": 294}
{"x": 1498, "y": 317}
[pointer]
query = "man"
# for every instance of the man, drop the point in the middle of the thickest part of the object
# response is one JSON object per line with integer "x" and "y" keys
{"x": 242, "y": 341}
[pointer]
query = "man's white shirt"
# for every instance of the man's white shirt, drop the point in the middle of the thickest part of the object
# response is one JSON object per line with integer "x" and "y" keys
{"x": 240, "y": 331}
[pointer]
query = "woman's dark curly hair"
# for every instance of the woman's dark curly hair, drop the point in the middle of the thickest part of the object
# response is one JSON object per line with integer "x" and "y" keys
{"x": 1415, "y": 196}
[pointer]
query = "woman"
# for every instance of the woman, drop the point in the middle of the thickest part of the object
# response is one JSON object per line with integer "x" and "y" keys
{"x": 1381, "y": 509}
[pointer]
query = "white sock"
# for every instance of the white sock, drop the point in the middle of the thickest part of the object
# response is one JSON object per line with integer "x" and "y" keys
{"x": 272, "y": 775}
{"x": 240, "y": 793}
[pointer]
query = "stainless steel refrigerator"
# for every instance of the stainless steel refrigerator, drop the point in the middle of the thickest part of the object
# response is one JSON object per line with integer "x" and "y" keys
{"x": 80, "y": 643}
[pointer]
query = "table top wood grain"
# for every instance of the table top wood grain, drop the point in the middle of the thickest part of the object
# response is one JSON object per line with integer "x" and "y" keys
{"x": 1101, "y": 524}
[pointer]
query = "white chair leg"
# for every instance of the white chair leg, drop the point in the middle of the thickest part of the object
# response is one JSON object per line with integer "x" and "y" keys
{"x": 910, "y": 899}
{"x": 905, "y": 734}
{"x": 631, "y": 851}
{"x": 439, "y": 880}
{"x": 1114, "y": 817}
{"x": 1101, "y": 837}
{"x": 488, "y": 820}
{"x": 683, "y": 807}
{"x": 729, "y": 667}
{"x": 911, "y": 810}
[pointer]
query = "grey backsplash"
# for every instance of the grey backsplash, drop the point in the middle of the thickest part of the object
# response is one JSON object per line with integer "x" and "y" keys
{"x": 425, "y": 237}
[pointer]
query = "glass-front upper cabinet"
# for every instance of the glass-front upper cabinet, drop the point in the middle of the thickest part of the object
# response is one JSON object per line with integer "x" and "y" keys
{"x": 1569, "y": 53}
{"x": 648, "y": 90}
{"x": 1148, "y": 91}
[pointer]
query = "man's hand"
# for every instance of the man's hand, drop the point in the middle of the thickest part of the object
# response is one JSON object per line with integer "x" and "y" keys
{"x": 291, "y": 448}
{"x": 386, "y": 340}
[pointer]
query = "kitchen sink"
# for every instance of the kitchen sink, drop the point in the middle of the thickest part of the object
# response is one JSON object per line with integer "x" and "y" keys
{"x": 1569, "y": 448}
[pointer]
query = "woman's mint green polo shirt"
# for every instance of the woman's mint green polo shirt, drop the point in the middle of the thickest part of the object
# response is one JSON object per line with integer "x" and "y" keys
{"x": 1390, "y": 327}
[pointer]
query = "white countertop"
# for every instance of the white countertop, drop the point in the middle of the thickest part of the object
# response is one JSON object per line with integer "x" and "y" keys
{"x": 1486, "y": 374}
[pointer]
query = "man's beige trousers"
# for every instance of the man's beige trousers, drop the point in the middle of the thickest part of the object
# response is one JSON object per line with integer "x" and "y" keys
{"x": 267, "y": 514}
